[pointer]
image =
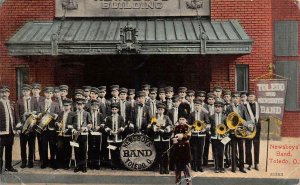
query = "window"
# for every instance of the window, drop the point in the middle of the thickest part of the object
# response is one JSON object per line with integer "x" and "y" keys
{"x": 242, "y": 77}
{"x": 286, "y": 38}
{"x": 22, "y": 78}
{"x": 289, "y": 69}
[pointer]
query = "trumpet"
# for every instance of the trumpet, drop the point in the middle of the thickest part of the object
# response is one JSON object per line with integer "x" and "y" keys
{"x": 199, "y": 125}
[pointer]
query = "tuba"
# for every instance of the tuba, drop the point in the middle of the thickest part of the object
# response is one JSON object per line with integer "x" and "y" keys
{"x": 242, "y": 131}
{"x": 199, "y": 125}
{"x": 233, "y": 120}
{"x": 239, "y": 126}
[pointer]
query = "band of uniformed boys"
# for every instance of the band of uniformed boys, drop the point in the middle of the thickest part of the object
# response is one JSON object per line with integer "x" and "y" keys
{"x": 184, "y": 124}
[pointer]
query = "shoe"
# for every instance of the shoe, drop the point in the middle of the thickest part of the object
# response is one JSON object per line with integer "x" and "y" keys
{"x": 23, "y": 165}
{"x": 30, "y": 165}
{"x": 11, "y": 169}
{"x": 167, "y": 171}
{"x": 233, "y": 171}
{"x": 249, "y": 167}
{"x": 216, "y": 171}
{"x": 66, "y": 168}
{"x": 43, "y": 166}
{"x": 84, "y": 170}
{"x": 97, "y": 168}
{"x": 195, "y": 169}
{"x": 222, "y": 170}
{"x": 201, "y": 169}
{"x": 256, "y": 167}
{"x": 161, "y": 171}
{"x": 242, "y": 170}
{"x": 77, "y": 169}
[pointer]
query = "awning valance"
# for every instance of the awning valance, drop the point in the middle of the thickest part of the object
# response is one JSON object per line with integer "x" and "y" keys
{"x": 130, "y": 36}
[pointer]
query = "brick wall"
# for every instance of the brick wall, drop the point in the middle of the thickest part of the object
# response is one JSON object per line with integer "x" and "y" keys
{"x": 207, "y": 71}
{"x": 288, "y": 10}
{"x": 255, "y": 17}
{"x": 13, "y": 15}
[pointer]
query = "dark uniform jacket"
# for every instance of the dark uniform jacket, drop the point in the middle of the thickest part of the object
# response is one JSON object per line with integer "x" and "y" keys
{"x": 20, "y": 109}
{"x": 145, "y": 117}
{"x": 86, "y": 119}
{"x": 109, "y": 124}
{"x": 171, "y": 113}
{"x": 4, "y": 119}
{"x": 53, "y": 110}
{"x": 203, "y": 117}
{"x": 166, "y": 127}
{"x": 69, "y": 121}
{"x": 213, "y": 125}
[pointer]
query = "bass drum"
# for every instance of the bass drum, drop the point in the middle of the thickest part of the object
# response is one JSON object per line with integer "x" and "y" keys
{"x": 137, "y": 152}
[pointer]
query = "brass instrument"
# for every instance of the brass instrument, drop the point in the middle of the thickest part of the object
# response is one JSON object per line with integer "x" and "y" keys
{"x": 233, "y": 120}
{"x": 222, "y": 130}
{"x": 29, "y": 123}
{"x": 154, "y": 122}
{"x": 61, "y": 129}
{"x": 237, "y": 124}
{"x": 199, "y": 125}
{"x": 242, "y": 132}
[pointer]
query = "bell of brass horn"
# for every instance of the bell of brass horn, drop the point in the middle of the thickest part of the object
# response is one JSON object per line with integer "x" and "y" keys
{"x": 199, "y": 125}
{"x": 221, "y": 129}
{"x": 233, "y": 120}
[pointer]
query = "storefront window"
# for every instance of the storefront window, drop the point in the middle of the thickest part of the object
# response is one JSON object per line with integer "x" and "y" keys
{"x": 242, "y": 77}
{"x": 22, "y": 78}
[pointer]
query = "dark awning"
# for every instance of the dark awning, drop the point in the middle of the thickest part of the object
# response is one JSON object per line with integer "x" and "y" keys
{"x": 154, "y": 36}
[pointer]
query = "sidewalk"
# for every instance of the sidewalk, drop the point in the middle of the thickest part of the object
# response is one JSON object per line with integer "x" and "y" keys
{"x": 283, "y": 163}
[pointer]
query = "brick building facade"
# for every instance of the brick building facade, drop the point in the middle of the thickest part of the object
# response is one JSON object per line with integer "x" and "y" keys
{"x": 199, "y": 72}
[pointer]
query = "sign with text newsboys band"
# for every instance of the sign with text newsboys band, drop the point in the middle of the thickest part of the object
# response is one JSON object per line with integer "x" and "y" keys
{"x": 131, "y": 8}
{"x": 271, "y": 97}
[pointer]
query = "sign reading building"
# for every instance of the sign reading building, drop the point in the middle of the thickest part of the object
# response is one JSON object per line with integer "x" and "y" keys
{"x": 271, "y": 97}
{"x": 131, "y": 8}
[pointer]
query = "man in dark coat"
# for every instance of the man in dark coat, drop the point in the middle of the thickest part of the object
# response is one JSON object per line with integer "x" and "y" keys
{"x": 7, "y": 127}
{"x": 25, "y": 106}
{"x": 198, "y": 136}
{"x": 81, "y": 120}
{"x": 161, "y": 130}
{"x": 236, "y": 142}
{"x": 217, "y": 146}
{"x": 253, "y": 109}
{"x": 140, "y": 114}
{"x": 64, "y": 125}
{"x": 114, "y": 127}
{"x": 48, "y": 134}
{"x": 95, "y": 137}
